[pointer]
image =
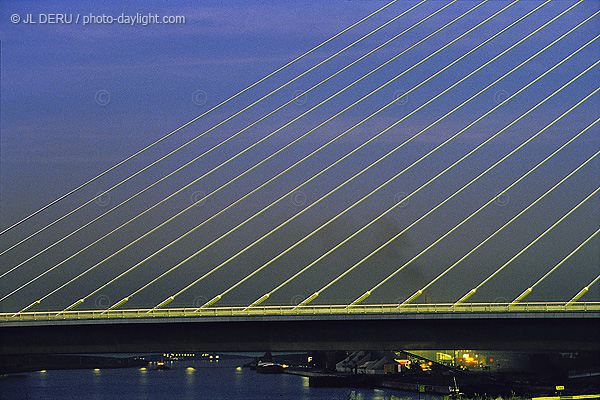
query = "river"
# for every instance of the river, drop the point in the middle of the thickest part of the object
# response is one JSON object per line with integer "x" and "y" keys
{"x": 199, "y": 379}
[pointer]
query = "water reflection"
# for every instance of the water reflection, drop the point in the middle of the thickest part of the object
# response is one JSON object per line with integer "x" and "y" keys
{"x": 184, "y": 380}
{"x": 42, "y": 375}
{"x": 143, "y": 381}
{"x": 238, "y": 377}
{"x": 190, "y": 375}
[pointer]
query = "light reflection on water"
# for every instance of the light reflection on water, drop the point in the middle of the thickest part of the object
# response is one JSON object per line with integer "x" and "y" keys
{"x": 185, "y": 380}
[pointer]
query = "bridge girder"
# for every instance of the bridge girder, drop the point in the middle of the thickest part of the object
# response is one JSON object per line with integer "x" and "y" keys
{"x": 477, "y": 331}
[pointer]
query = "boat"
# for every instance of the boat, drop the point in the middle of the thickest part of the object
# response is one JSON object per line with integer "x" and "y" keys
{"x": 160, "y": 366}
{"x": 269, "y": 368}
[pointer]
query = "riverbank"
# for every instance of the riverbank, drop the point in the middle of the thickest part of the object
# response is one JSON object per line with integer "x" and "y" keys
{"x": 469, "y": 385}
{"x": 335, "y": 379}
{"x": 11, "y": 364}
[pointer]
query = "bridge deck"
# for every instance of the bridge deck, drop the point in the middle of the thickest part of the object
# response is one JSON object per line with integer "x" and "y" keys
{"x": 541, "y": 327}
{"x": 466, "y": 310}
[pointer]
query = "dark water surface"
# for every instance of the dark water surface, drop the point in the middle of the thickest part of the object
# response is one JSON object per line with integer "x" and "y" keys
{"x": 186, "y": 380}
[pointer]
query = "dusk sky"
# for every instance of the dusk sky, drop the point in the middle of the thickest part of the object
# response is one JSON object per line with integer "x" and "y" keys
{"x": 79, "y": 97}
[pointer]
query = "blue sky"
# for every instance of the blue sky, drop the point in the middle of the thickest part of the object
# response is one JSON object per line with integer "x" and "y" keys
{"x": 78, "y": 99}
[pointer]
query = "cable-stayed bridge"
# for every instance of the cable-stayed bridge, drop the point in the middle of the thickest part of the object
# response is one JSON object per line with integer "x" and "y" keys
{"x": 434, "y": 161}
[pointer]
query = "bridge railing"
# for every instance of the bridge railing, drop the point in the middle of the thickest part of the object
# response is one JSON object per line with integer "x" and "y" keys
{"x": 491, "y": 308}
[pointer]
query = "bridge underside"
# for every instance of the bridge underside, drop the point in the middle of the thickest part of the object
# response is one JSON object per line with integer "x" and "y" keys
{"x": 547, "y": 333}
